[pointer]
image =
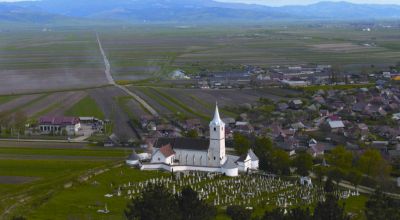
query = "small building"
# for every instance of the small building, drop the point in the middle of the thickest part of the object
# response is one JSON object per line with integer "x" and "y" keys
{"x": 244, "y": 162}
{"x": 58, "y": 125}
{"x": 336, "y": 126}
{"x": 254, "y": 160}
{"x": 133, "y": 159}
{"x": 164, "y": 155}
{"x": 296, "y": 104}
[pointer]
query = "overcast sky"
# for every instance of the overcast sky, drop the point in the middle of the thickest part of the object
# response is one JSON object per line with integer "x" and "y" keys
{"x": 283, "y": 2}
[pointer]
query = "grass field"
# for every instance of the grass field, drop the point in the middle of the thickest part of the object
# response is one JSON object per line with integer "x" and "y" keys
{"x": 5, "y": 99}
{"x": 82, "y": 201}
{"x": 29, "y": 176}
{"x": 87, "y": 107}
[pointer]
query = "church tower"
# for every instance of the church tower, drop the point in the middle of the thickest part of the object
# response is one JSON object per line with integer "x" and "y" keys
{"x": 216, "y": 151}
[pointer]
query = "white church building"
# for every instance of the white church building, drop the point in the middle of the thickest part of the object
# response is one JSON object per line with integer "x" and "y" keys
{"x": 191, "y": 154}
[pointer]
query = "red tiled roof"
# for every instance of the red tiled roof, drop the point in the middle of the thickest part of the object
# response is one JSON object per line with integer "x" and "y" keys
{"x": 48, "y": 120}
{"x": 167, "y": 150}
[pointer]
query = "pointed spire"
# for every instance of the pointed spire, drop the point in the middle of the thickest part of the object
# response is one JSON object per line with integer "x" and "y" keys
{"x": 217, "y": 119}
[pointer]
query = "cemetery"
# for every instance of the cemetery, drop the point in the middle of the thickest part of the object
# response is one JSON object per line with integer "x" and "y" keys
{"x": 245, "y": 190}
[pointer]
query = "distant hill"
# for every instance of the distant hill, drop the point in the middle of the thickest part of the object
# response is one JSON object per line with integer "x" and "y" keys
{"x": 187, "y": 11}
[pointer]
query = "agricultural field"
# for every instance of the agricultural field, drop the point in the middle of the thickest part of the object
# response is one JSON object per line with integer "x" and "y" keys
{"x": 32, "y": 173}
{"x": 199, "y": 103}
{"x": 37, "y": 61}
{"x": 34, "y": 106}
{"x": 107, "y": 101}
{"x": 86, "y": 107}
{"x": 138, "y": 53}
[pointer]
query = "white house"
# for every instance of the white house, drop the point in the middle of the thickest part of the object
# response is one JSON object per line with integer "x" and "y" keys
{"x": 164, "y": 155}
{"x": 58, "y": 125}
{"x": 180, "y": 154}
{"x": 254, "y": 160}
{"x": 244, "y": 163}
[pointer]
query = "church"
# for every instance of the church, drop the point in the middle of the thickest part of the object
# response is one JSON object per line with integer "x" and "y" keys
{"x": 192, "y": 154}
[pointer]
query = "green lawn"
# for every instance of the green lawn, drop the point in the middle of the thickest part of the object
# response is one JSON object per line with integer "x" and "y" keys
{"x": 49, "y": 169}
{"x": 5, "y": 99}
{"x": 83, "y": 201}
{"x": 93, "y": 152}
{"x": 87, "y": 107}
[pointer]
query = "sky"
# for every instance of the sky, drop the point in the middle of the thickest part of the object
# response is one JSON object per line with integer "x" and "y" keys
{"x": 306, "y": 2}
{"x": 283, "y": 2}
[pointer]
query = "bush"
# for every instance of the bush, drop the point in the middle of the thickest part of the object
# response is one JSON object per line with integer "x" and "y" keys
{"x": 238, "y": 212}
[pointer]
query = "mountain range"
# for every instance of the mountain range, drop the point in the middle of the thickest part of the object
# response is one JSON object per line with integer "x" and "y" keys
{"x": 185, "y": 11}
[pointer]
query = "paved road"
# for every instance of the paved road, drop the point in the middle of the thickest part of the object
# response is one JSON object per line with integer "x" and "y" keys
{"x": 112, "y": 82}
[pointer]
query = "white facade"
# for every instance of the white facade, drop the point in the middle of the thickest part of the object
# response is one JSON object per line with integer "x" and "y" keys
{"x": 216, "y": 151}
{"x": 58, "y": 129}
{"x": 245, "y": 164}
{"x": 208, "y": 157}
{"x": 191, "y": 157}
{"x": 158, "y": 157}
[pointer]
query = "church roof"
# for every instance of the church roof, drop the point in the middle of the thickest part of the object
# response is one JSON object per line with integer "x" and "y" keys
{"x": 184, "y": 143}
{"x": 217, "y": 119}
{"x": 133, "y": 156}
{"x": 243, "y": 158}
{"x": 252, "y": 155}
{"x": 167, "y": 150}
{"x": 229, "y": 164}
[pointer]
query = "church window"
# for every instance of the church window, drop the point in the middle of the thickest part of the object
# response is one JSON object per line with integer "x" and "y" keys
{"x": 215, "y": 129}
{"x": 215, "y": 158}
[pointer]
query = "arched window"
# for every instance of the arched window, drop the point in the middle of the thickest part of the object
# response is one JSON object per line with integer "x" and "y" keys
{"x": 215, "y": 129}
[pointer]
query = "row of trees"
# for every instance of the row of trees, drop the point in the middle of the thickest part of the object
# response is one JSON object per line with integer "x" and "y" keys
{"x": 343, "y": 164}
{"x": 272, "y": 159}
{"x": 13, "y": 123}
{"x": 157, "y": 202}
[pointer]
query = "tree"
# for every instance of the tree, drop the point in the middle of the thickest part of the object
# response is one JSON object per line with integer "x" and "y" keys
{"x": 241, "y": 143}
{"x": 381, "y": 207}
{"x": 330, "y": 209}
{"x": 155, "y": 203}
{"x": 354, "y": 177}
{"x": 192, "y": 208}
{"x": 341, "y": 158}
{"x": 303, "y": 162}
{"x": 372, "y": 164}
{"x": 263, "y": 149}
{"x": 319, "y": 172}
{"x": 293, "y": 214}
{"x": 329, "y": 186}
{"x": 336, "y": 174}
{"x": 192, "y": 134}
{"x": 276, "y": 214}
{"x": 20, "y": 120}
{"x": 237, "y": 212}
{"x": 280, "y": 162}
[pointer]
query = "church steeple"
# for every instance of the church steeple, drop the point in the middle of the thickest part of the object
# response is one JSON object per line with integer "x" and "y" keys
{"x": 217, "y": 140}
{"x": 217, "y": 119}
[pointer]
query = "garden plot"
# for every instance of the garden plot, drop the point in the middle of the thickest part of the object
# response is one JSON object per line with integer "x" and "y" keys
{"x": 106, "y": 99}
{"x": 18, "y": 102}
{"x": 74, "y": 98}
{"x": 47, "y": 103}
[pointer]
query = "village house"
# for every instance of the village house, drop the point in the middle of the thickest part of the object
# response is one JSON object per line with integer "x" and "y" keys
{"x": 59, "y": 125}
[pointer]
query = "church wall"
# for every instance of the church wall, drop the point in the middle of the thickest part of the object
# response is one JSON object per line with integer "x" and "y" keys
{"x": 191, "y": 157}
